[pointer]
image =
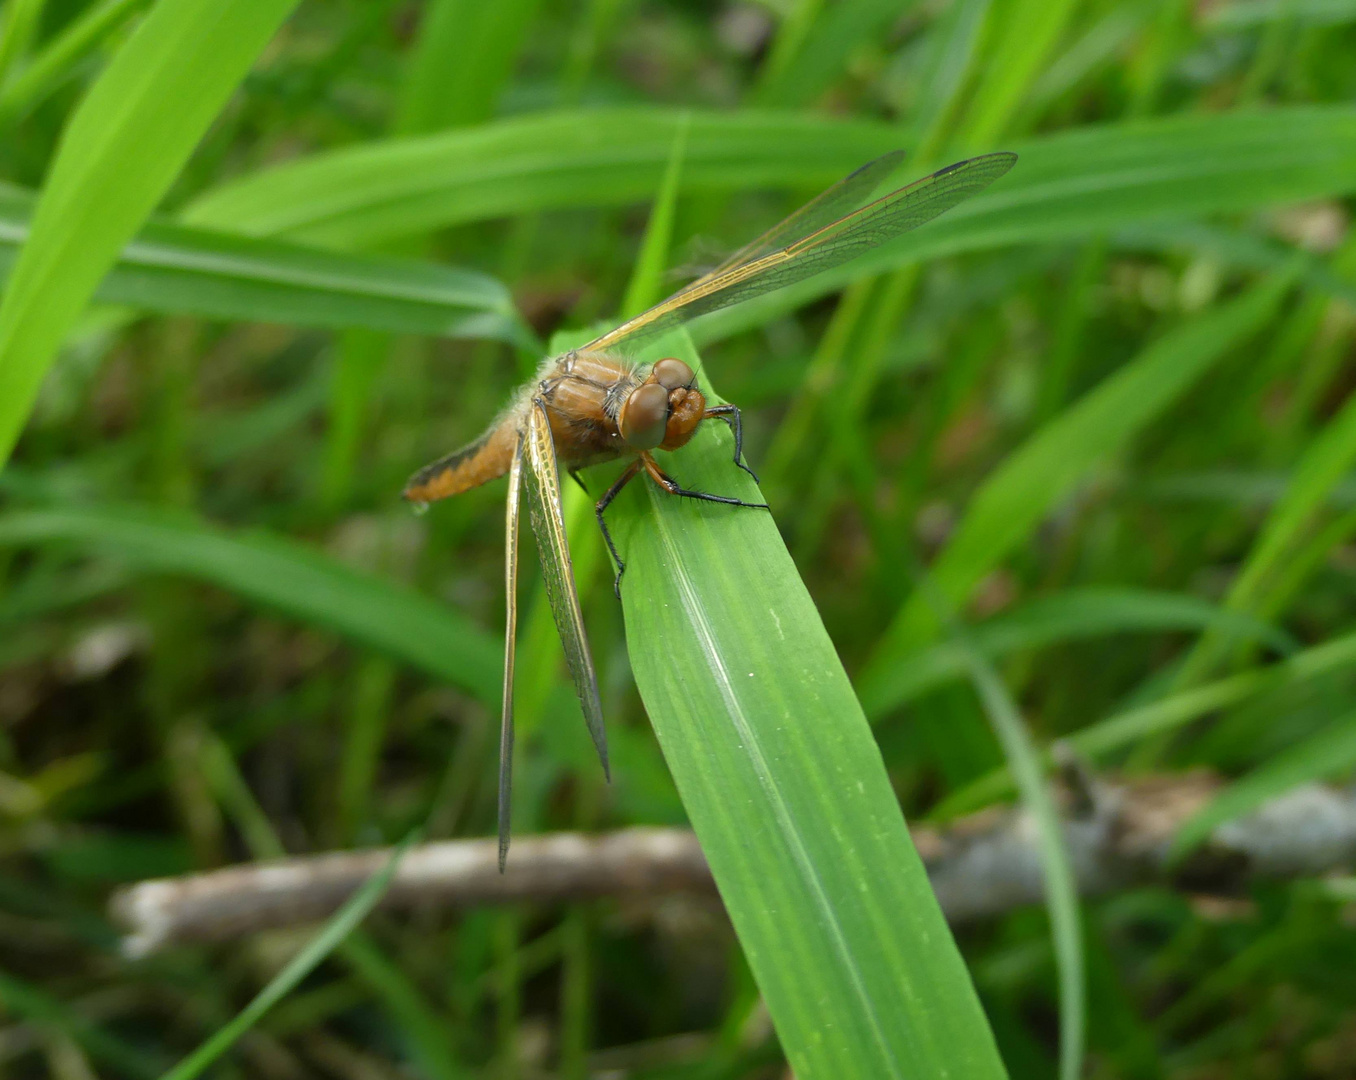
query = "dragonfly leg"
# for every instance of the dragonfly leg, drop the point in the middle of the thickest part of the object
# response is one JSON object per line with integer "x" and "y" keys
{"x": 672, "y": 486}
{"x": 730, "y": 414}
{"x": 574, "y": 475}
{"x": 601, "y": 505}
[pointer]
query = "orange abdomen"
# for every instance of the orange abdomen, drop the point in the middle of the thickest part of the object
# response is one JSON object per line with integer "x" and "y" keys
{"x": 484, "y": 460}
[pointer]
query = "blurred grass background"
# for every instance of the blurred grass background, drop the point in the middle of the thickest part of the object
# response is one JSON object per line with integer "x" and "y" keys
{"x": 1108, "y": 407}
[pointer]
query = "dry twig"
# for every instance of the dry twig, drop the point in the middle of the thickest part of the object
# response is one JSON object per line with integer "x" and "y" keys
{"x": 980, "y": 866}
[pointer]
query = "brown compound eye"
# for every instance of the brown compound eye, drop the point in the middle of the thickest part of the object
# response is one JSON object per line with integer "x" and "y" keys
{"x": 671, "y": 373}
{"x": 644, "y": 416}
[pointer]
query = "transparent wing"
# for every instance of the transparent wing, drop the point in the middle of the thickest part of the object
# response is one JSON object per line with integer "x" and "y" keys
{"x": 510, "y": 651}
{"x": 824, "y": 209}
{"x": 542, "y": 483}
{"x": 826, "y": 247}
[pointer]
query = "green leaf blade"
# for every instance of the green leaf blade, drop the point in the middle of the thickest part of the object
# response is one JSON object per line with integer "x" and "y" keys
{"x": 1328, "y": 752}
{"x": 281, "y": 574}
{"x": 172, "y": 269}
{"x": 786, "y": 788}
{"x": 1015, "y": 498}
{"x": 118, "y": 155}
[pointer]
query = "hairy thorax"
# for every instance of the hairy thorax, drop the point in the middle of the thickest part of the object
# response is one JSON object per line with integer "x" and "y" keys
{"x": 583, "y": 393}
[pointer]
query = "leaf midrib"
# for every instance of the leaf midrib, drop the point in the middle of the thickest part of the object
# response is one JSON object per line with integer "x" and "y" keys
{"x": 701, "y": 625}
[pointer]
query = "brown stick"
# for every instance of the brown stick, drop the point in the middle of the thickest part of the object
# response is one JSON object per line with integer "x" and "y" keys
{"x": 980, "y": 866}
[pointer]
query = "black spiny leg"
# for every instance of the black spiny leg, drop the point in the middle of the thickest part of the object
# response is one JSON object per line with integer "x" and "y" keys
{"x": 670, "y": 485}
{"x": 574, "y": 475}
{"x": 602, "y": 504}
{"x": 730, "y": 414}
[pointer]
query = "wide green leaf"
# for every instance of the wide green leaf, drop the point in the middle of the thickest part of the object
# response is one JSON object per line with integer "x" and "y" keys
{"x": 173, "y": 269}
{"x": 395, "y": 187}
{"x": 118, "y": 155}
{"x": 785, "y": 786}
{"x": 1065, "y": 185}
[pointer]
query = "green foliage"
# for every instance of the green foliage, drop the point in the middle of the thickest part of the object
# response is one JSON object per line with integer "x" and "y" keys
{"x": 1015, "y": 498}
{"x": 176, "y": 270}
{"x": 1061, "y": 887}
{"x": 338, "y": 927}
{"x": 283, "y": 575}
{"x": 120, "y": 152}
{"x": 796, "y": 817}
{"x": 1330, "y": 752}
{"x": 1071, "y": 464}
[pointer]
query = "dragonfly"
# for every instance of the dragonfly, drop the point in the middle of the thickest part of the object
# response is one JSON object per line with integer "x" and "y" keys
{"x": 595, "y": 404}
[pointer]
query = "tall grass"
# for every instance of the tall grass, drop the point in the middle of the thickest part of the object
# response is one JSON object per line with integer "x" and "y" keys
{"x": 1071, "y": 463}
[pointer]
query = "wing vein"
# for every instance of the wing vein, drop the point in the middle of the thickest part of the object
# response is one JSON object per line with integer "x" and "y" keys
{"x": 548, "y": 525}
{"x": 811, "y": 245}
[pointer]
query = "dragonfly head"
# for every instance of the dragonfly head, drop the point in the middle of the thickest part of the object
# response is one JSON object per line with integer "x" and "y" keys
{"x": 664, "y": 410}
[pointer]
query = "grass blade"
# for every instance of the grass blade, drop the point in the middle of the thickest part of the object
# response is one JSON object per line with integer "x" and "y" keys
{"x": 118, "y": 155}
{"x": 647, "y": 278}
{"x": 823, "y": 51}
{"x": 1070, "y": 615}
{"x": 1015, "y": 498}
{"x": 58, "y": 58}
{"x": 396, "y": 187}
{"x": 1017, "y": 59}
{"x": 340, "y": 925}
{"x": 786, "y": 788}
{"x": 1099, "y": 741}
{"x": 18, "y": 24}
{"x": 1324, "y": 465}
{"x": 1328, "y": 752}
{"x": 171, "y": 269}
{"x": 1061, "y": 888}
{"x": 22, "y": 999}
{"x": 1067, "y": 185}
{"x": 464, "y": 58}
{"x": 422, "y": 1026}
{"x": 1101, "y": 179}
{"x": 281, "y": 574}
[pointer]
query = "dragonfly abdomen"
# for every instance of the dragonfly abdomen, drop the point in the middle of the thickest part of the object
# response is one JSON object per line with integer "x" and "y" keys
{"x": 477, "y": 463}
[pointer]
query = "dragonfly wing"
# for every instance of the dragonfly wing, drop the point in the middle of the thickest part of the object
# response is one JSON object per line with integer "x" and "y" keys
{"x": 510, "y": 650}
{"x": 824, "y": 209}
{"x": 831, "y": 245}
{"x": 542, "y": 482}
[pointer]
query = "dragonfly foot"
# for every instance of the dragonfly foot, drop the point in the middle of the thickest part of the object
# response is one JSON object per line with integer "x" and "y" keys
{"x": 672, "y": 486}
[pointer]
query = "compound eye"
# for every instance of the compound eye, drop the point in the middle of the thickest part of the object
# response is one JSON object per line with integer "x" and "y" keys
{"x": 671, "y": 373}
{"x": 644, "y": 416}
